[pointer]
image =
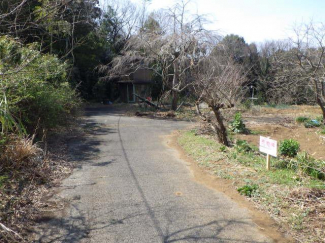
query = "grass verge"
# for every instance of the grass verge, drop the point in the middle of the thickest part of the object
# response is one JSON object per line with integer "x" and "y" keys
{"x": 293, "y": 198}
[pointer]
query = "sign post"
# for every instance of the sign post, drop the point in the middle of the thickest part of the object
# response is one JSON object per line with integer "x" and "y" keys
{"x": 268, "y": 146}
{"x": 268, "y": 163}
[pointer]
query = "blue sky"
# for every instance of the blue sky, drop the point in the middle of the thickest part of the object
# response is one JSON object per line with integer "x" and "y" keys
{"x": 255, "y": 20}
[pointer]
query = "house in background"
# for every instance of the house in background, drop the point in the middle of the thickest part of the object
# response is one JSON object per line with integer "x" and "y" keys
{"x": 140, "y": 83}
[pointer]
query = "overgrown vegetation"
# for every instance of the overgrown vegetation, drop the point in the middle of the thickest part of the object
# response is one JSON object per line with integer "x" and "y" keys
{"x": 292, "y": 181}
{"x": 35, "y": 97}
{"x": 34, "y": 89}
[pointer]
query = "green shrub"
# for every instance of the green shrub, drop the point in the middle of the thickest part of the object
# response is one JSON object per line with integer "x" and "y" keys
{"x": 35, "y": 87}
{"x": 48, "y": 107}
{"x": 237, "y": 125}
{"x": 289, "y": 147}
{"x": 301, "y": 119}
{"x": 248, "y": 190}
{"x": 7, "y": 122}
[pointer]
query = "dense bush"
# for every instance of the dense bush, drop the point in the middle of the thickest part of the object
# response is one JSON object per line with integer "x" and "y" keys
{"x": 33, "y": 87}
{"x": 289, "y": 147}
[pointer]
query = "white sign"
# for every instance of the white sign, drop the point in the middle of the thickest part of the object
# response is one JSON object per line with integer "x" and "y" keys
{"x": 268, "y": 146}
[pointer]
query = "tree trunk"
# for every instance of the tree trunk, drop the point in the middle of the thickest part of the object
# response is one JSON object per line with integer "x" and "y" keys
{"x": 198, "y": 111}
{"x": 321, "y": 104}
{"x": 220, "y": 127}
{"x": 175, "y": 84}
{"x": 174, "y": 100}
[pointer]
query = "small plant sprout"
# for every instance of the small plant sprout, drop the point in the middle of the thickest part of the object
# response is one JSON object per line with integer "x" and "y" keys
{"x": 222, "y": 148}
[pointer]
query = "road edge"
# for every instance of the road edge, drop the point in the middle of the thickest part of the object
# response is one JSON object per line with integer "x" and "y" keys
{"x": 265, "y": 224}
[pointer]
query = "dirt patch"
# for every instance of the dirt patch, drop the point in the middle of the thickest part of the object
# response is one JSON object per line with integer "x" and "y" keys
{"x": 264, "y": 223}
{"x": 310, "y": 139}
{"x": 279, "y": 124}
{"x": 294, "y": 110}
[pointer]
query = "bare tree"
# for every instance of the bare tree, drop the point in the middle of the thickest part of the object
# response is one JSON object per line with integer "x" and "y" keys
{"x": 280, "y": 79}
{"x": 219, "y": 83}
{"x": 171, "y": 49}
{"x": 308, "y": 46}
{"x": 125, "y": 18}
{"x": 297, "y": 66}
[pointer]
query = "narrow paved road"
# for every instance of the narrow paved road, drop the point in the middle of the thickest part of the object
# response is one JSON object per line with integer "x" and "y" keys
{"x": 131, "y": 188}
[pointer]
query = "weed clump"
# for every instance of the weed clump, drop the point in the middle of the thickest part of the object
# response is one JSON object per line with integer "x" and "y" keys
{"x": 301, "y": 119}
{"x": 243, "y": 146}
{"x": 248, "y": 190}
{"x": 223, "y": 148}
{"x": 237, "y": 125}
{"x": 289, "y": 147}
{"x": 310, "y": 166}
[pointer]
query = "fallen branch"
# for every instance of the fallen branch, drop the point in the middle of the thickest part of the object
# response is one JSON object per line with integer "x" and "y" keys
{"x": 10, "y": 231}
{"x": 147, "y": 101}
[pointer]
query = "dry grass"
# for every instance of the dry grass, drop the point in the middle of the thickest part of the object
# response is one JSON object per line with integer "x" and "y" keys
{"x": 25, "y": 177}
{"x": 20, "y": 152}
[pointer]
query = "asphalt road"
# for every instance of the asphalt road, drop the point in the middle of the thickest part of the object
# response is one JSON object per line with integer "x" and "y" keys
{"x": 130, "y": 187}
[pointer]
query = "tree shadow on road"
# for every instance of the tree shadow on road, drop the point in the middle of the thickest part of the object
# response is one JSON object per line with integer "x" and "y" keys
{"x": 55, "y": 228}
{"x": 78, "y": 227}
{"x": 84, "y": 148}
